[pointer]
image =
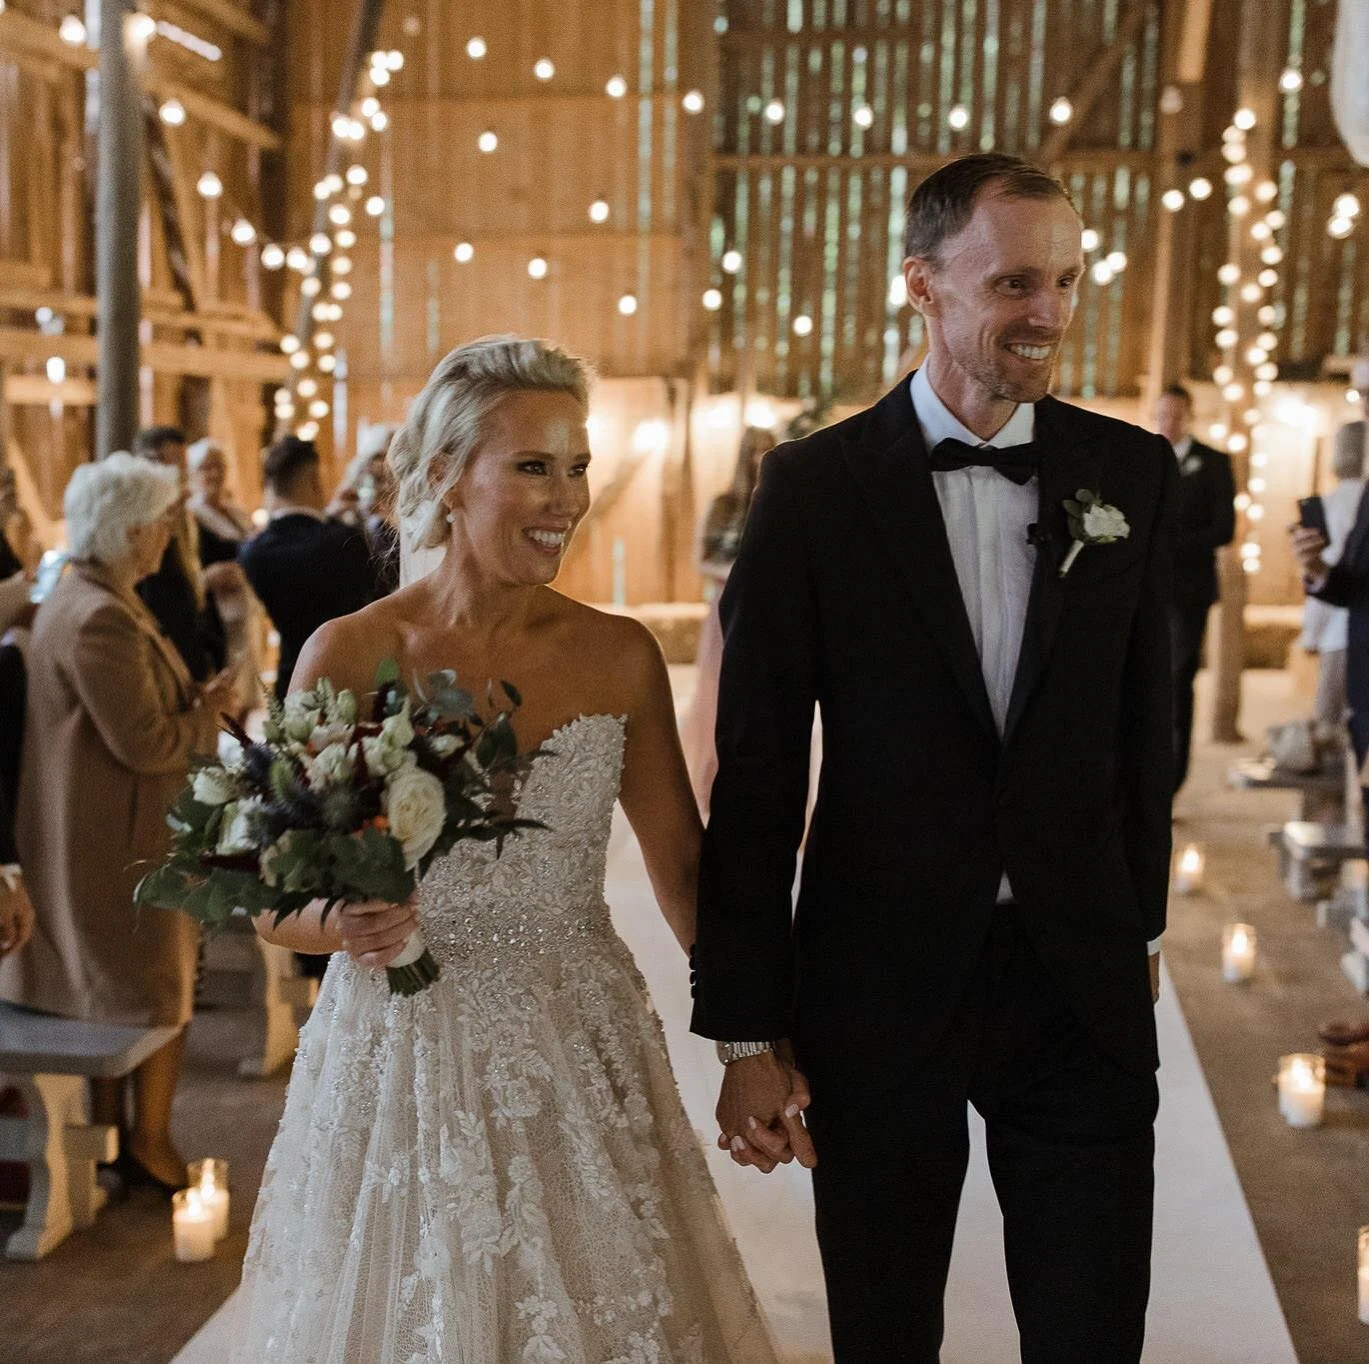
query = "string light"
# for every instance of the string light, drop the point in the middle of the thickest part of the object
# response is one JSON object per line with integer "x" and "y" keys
{"x": 731, "y": 261}
{"x": 380, "y": 120}
{"x": 324, "y": 340}
{"x": 370, "y": 107}
{"x": 693, "y": 102}
{"x": 537, "y": 268}
{"x": 774, "y": 111}
{"x": 1252, "y": 291}
{"x": 1244, "y": 119}
{"x": 1266, "y": 192}
{"x": 1173, "y": 199}
{"x": 958, "y": 118}
{"x": 1290, "y": 81}
{"x": 310, "y": 286}
{"x": 1227, "y": 337}
{"x": 616, "y": 87}
{"x": 1200, "y": 189}
{"x": 300, "y": 360}
{"x": 544, "y": 69}
{"x": 1102, "y": 273}
{"x": 463, "y": 253}
{"x": 1223, "y": 316}
{"x": 627, "y": 305}
{"x": 1230, "y": 273}
{"x": 72, "y": 31}
{"x": 712, "y": 300}
{"x": 487, "y": 141}
{"x": 1089, "y": 239}
{"x": 1061, "y": 111}
{"x": 1268, "y": 278}
{"x": 243, "y": 233}
{"x": 340, "y": 215}
{"x": 357, "y": 175}
{"x": 476, "y": 49}
{"x": 209, "y": 185}
{"x": 272, "y": 256}
{"x": 172, "y": 113}
{"x": 320, "y": 243}
{"x": 1239, "y": 206}
{"x": 327, "y": 363}
{"x": 375, "y": 206}
{"x": 803, "y": 325}
{"x": 345, "y": 239}
{"x": 342, "y": 266}
{"x": 864, "y": 116}
{"x": 599, "y": 211}
{"x": 1346, "y": 206}
{"x": 297, "y": 258}
{"x": 142, "y": 27}
{"x": 1117, "y": 261}
{"x": 289, "y": 343}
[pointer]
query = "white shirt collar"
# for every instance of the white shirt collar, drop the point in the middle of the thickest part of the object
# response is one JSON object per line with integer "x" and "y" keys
{"x": 292, "y": 509}
{"x": 1181, "y": 449}
{"x": 939, "y": 423}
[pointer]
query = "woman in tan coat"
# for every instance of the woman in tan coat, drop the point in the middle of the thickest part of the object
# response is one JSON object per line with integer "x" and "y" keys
{"x": 113, "y": 719}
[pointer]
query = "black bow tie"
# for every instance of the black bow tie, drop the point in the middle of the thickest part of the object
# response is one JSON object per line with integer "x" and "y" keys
{"x": 1017, "y": 462}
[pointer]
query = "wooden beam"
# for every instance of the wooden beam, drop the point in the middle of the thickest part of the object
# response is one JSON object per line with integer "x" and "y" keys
{"x": 34, "y": 390}
{"x": 232, "y": 17}
{"x": 243, "y": 322}
{"x": 1191, "y": 63}
{"x": 214, "y": 112}
{"x": 1096, "y": 79}
{"x": 19, "y": 35}
{"x": 162, "y": 357}
{"x": 1083, "y": 158}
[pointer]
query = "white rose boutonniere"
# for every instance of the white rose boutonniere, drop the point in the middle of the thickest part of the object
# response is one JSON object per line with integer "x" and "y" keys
{"x": 416, "y": 806}
{"x": 1092, "y": 522}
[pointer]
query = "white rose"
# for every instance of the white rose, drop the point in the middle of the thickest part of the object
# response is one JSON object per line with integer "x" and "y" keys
{"x": 231, "y": 753}
{"x": 333, "y": 766}
{"x": 236, "y": 834}
{"x": 301, "y": 715}
{"x": 344, "y": 709}
{"x": 417, "y": 808}
{"x": 1105, "y": 523}
{"x": 213, "y": 786}
{"x": 444, "y": 745}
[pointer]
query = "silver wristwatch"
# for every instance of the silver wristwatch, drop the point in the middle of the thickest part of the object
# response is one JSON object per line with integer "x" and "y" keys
{"x": 737, "y": 1051}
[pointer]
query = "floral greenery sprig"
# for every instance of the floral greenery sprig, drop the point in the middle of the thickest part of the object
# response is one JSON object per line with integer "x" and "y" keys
{"x": 1092, "y": 522}
{"x": 335, "y": 807}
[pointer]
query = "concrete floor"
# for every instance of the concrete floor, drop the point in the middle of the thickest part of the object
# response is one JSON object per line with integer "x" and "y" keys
{"x": 113, "y": 1294}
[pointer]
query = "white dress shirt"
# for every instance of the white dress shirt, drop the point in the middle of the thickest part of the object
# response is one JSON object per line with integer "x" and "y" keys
{"x": 1181, "y": 449}
{"x": 986, "y": 518}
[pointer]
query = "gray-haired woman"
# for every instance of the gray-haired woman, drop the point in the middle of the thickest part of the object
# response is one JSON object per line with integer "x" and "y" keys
{"x": 500, "y": 1167}
{"x": 113, "y": 719}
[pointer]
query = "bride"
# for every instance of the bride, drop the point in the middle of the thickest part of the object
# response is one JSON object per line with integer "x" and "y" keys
{"x": 499, "y": 1169}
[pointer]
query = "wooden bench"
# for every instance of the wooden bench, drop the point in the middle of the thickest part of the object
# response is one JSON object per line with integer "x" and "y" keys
{"x": 1321, "y": 795}
{"x": 49, "y": 1060}
{"x": 1311, "y": 856}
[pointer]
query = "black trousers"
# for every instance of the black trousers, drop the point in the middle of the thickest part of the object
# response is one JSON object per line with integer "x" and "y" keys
{"x": 1071, "y": 1153}
{"x": 1187, "y": 625}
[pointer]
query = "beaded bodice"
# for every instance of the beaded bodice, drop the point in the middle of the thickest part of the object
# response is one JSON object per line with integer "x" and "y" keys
{"x": 545, "y": 891}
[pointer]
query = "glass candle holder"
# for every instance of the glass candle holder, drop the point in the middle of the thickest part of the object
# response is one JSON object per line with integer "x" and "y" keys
{"x": 192, "y": 1227}
{"x": 1302, "y": 1089}
{"x": 1188, "y": 870}
{"x": 1240, "y": 944}
{"x": 210, "y": 1178}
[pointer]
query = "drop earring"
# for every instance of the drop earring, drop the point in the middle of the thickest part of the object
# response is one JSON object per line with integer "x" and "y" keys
{"x": 451, "y": 518}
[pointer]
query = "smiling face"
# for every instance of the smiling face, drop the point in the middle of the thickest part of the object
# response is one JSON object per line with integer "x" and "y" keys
{"x": 211, "y": 476}
{"x": 525, "y": 489}
{"x": 997, "y": 303}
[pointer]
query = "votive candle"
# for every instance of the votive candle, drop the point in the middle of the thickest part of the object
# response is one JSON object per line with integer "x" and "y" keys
{"x": 192, "y": 1227}
{"x": 210, "y": 1178}
{"x": 1239, "y": 945}
{"x": 1302, "y": 1089}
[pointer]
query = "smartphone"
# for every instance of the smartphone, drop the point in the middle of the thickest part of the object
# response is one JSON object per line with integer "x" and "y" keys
{"x": 50, "y": 568}
{"x": 1312, "y": 515}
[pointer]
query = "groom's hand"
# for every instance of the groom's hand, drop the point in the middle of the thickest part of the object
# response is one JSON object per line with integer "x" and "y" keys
{"x": 760, "y": 1112}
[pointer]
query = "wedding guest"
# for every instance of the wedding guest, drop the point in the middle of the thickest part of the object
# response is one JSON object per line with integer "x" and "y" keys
{"x": 366, "y": 498}
{"x": 1325, "y": 628}
{"x": 304, "y": 568}
{"x": 113, "y": 720}
{"x": 1206, "y": 520}
{"x": 223, "y": 529}
{"x": 175, "y": 593}
{"x": 719, "y": 540}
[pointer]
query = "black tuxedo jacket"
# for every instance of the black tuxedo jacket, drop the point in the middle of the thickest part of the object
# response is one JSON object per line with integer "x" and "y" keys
{"x": 845, "y": 594}
{"x": 196, "y": 630}
{"x": 307, "y": 572}
{"x": 1205, "y": 520}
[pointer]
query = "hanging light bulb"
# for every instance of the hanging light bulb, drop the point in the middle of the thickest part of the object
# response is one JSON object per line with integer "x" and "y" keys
{"x": 209, "y": 185}
{"x": 375, "y": 206}
{"x": 803, "y": 325}
{"x": 487, "y": 141}
{"x": 958, "y": 118}
{"x": 712, "y": 300}
{"x": 272, "y": 256}
{"x": 340, "y": 289}
{"x": 544, "y": 69}
{"x": 242, "y": 232}
{"x": 731, "y": 261}
{"x": 1061, "y": 111}
{"x": 340, "y": 215}
{"x": 172, "y": 113}
{"x": 297, "y": 258}
{"x": 627, "y": 305}
{"x": 1089, "y": 239}
{"x": 537, "y": 268}
{"x": 599, "y": 211}
{"x": 1223, "y": 316}
{"x": 616, "y": 87}
{"x": 345, "y": 240}
{"x": 1229, "y": 273}
{"x": 1200, "y": 189}
{"x": 310, "y": 286}
{"x": 320, "y": 243}
{"x": 693, "y": 102}
{"x": 774, "y": 111}
{"x": 463, "y": 252}
{"x": 476, "y": 49}
{"x": 1173, "y": 199}
{"x": 1244, "y": 119}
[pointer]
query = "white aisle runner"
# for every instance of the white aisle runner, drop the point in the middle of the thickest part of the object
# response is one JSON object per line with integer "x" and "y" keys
{"x": 1212, "y": 1299}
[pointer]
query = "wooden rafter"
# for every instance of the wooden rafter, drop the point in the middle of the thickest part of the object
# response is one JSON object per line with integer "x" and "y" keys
{"x": 232, "y": 17}
{"x": 1096, "y": 78}
{"x": 163, "y": 357}
{"x": 161, "y": 311}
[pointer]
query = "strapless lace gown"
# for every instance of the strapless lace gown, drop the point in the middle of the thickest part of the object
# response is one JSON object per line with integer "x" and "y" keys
{"x": 498, "y": 1170}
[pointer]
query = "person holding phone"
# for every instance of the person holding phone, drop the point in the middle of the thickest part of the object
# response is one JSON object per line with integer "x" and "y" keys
{"x": 1205, "y": 521}
{"x": 1325, "y": 628}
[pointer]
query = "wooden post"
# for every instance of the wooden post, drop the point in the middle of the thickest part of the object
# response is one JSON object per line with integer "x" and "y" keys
{"x": 118, "y": 204}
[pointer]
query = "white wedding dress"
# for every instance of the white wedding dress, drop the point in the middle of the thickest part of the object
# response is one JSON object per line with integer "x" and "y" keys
{"x": 498, "y": 1170}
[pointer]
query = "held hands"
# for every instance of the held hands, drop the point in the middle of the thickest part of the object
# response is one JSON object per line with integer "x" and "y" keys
{"x": 760, "y": 1111}
{"x": 1307, "y": 550}
{"x": 16, "y": 918}
{"x": 374, "y": 931}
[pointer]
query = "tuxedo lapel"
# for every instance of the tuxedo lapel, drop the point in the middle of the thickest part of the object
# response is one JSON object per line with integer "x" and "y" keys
{"x": 890, "y": 465}
{"x": 1067, "y": 465}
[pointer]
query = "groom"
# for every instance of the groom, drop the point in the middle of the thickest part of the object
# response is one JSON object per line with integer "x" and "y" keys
{"x": 985, "y": 878}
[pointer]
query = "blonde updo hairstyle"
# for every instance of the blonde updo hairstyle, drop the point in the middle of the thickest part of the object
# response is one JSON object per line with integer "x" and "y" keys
{"x": 450, "y": 417}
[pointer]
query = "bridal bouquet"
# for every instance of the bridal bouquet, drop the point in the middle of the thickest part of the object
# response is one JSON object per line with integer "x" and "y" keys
{"x": 335, "y": 807}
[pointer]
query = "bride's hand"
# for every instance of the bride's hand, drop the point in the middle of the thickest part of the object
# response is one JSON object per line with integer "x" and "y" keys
{"x": 374, "y": 931}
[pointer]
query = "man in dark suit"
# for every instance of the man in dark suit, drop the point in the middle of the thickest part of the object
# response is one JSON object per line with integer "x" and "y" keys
{"x": 175, "y": 593}
{"x": 985, "y": 877}
{"x": 1205, "y": 520}
{"x": 305, "y": 569}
